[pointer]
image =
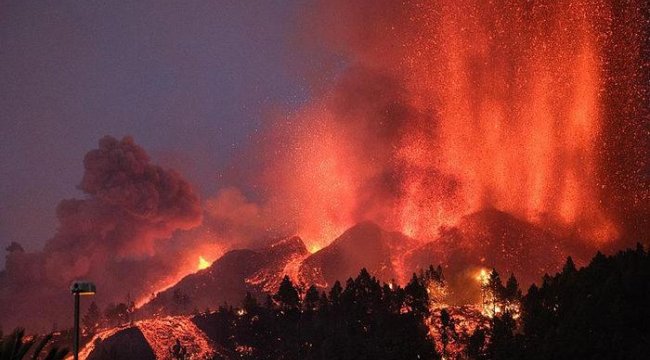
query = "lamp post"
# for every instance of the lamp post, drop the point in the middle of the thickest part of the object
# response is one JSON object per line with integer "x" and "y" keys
{"x": 79, "y": 288}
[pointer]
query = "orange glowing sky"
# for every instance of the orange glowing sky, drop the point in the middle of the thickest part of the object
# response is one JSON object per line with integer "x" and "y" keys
{"x": 448, "y": 107}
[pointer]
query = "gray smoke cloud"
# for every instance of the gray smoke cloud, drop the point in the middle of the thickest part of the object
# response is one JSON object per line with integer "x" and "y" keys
{"x": 117, "y": 235}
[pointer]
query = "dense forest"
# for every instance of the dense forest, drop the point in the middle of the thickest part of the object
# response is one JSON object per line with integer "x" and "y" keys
{"x": 601, "y": 311}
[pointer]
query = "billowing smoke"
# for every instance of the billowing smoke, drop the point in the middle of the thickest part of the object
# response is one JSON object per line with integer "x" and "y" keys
{"x": 117, "y": 236}
{"x": 241, "y": 223}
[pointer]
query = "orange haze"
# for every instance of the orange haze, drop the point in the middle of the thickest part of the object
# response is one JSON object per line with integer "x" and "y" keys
{"x": 451, "y": 106}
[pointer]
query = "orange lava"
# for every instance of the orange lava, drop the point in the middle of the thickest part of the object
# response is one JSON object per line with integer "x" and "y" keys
{"x": 450, "y": 107}
{"x": 203, "y": 263}
{"x": 161, "y": 334}
{"x": 190, "y": 263}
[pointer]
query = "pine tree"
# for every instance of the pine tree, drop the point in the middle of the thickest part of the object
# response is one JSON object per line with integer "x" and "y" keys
{"x": 502, "y": 340}
{"x": 417, "y": 298}
{"x": 512, "y": 295}
{"x": 323, "y": 303}
{"x": 92, "y": 319}
{"x": 569, "y": 266}
{"x": 250, "y": 303}
{"x": 287, "y": 294}
{"x": 496, "y": 291}
{"x": 447, "y": 330}
{"x": 311, "y": 298}
{"x": 335, "y": 294}
{"x": 475, "y": 345}
{"x": 434, "y": 282}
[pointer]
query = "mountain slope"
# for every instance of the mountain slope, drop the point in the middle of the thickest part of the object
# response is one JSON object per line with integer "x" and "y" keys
{"x": 487, "y": 239}
{"x": 365, "y": 245}
{"x": 229, "y": 278}
{"x": 484, "y": 239}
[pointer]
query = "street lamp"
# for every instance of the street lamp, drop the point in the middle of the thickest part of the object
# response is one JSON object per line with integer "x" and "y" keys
{"x": 79, "y": 288}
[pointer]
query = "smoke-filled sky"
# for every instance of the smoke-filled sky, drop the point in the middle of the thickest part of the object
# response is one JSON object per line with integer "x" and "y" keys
{"x": 189, "y": 81}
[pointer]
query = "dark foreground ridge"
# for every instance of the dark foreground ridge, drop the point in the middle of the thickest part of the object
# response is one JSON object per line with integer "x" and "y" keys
{"x": 600, "y": 311}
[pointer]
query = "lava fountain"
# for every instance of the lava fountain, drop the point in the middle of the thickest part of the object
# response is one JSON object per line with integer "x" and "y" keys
{"x": 517, "y": 89}
{"x": 447, "y": 107}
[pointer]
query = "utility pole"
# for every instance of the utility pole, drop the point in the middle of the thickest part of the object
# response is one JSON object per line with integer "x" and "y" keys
{"x": 79, "y": 288}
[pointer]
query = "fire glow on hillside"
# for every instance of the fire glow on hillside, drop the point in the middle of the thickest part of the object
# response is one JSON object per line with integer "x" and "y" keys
{"x": 457, "y": 132}
{"x": 203, "y": 263}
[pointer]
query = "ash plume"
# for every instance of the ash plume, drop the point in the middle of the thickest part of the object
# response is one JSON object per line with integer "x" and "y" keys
{"x": 117, "y": 235}
{"x": 238, "y": 222}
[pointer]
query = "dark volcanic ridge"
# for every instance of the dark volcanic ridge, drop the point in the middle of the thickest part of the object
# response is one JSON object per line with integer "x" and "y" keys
{"x": 228, "y": 279}
{"x": 365, "y": 245}
{"x": 485, "y": 239}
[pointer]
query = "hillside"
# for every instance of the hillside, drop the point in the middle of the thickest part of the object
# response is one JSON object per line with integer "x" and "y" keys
{"x": 229, "y": 278}
{"x": 487, "y": 239}
{"x": 599, "y": 311}
{"x": 365, "y": 245}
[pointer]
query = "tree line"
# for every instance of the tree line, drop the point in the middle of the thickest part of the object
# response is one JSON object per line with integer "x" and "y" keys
{"x": 361, "y": 320}
{"x": 601, "y": 311}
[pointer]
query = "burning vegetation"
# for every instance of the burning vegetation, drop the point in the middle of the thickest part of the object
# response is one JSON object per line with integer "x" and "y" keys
{"x": 367, "y": 319}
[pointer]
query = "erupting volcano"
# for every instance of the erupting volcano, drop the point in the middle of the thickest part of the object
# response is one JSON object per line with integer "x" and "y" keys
{"x": 449, "y": 107}
{"x": 474, "y": 135}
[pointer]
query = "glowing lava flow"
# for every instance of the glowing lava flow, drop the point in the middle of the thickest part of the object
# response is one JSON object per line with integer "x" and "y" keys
{"x": 161, "y": 334}
{"x": 203, "y": 263}
{"x": 90, "y": 346}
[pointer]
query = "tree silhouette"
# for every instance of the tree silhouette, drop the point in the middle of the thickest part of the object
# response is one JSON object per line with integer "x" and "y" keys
{"x": 434, "y": 282}
{"x": 493, "y": 301}
{"x": 599, "y": 311}
{"x": 511, "y": 296}
{"x": 447, "y": 330}
{"x": 287, "y": 295}
{"x": 116, "y": 314}
{"x": 417, "y": 298}
{"x": 312, "y": 298}
{"x": 14, "y": 347}
{"x": 355, "y": 322}
{"x": 92, "y": 319}
{"x": 569, "y": 266}
{"x": 475, "y": 348}
{"x": 250, "y": 303}
{"x": 502, "y": 343}
{"x": 335, "y": 294}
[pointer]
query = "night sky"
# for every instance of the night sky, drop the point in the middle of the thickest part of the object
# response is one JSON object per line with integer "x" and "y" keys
{"x": 190, "y": 82}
